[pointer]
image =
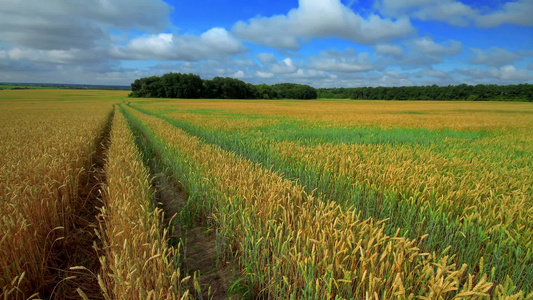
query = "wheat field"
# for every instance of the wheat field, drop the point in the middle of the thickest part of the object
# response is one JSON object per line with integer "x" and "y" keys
{"x": 303, "y": 199}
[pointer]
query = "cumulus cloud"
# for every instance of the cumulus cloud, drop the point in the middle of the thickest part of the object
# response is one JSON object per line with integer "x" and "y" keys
{"x": 418, "y": 52}
{"x": 424, "y": 51}
{"x": 214, "y": 43}
{"x": 63, "y": 57}
{"x": 100, "y": 73}
{"x": 426, "y": 45}
{"x": 430, "y": 75}
{"x": 510, "y": 73}
{"x": 284, "y": 67}
{"x": 435, "y": 73}
{"x": 518, "y": 12}
{"x": 308, "y": 74}
{"x": 506, "y": 74}
{"x": 92, "y": 42}
{"x": 62, "y": 25}
{"x": 45, "y": 40}
{"x": 392, "y": 78}
{"x": 320, "y": 19}
{"x": 387, "y": 49}
{"x": 264, "y": 74}
{"x": 266, "y": 58}
{"x": 494, "y": 57}
{"x": 451, "y": 11}
{"x": 341, "y": 61}
{"x": 244, "y": 63}
{"x": 239, "y": 75}
{"x": 458, "y": 13}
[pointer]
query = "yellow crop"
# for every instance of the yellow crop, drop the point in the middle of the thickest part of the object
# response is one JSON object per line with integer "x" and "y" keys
{"x": 304, "y": 199}
{"x": 295, "y": 244}
{"x": 45, "y": 152}
{"x": 137, "y": 261}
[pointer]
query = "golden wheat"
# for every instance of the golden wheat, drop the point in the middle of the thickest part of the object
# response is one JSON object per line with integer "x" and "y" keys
{"x": 137, "y": 261}
{"x": 295, "y": 244}
{"x": 45, "y": 148}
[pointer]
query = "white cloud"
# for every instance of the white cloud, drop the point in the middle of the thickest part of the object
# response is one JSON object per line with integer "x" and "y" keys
{"x": 45, "y": 40}
{"x": 284, "y": 67}
{"x": 54, "y": 56}
{"x": 495, "y": 57}
{"x": 23, "y": 71}
{"x": 418, "y": 52}
{"x": 264, "y": 74}
{"x": 244, "y": 63}
{"x": 266, "y": 58}
{"x": 502, "y": 75}
{"x": 430, "y": 72}
{"x": 154, "y": 45}
{"x": 239, "y": 74}
{"x": 219, "y": 39}
{"x": 517, "y": 12}
{"x": 320, "y": 19}
{"x": 345, "y": 61}
{"x": 510, "y": 73}
{"x": 394, "y": 79}
{"x": 387, "y": 49}
{"x": 212, "y": 44}
{"x": 451, "y": 11}
{"x": 426, "y": 45}
{"x": 62, "y": 25}
{"x": 458, "y": 13}
{"x": 91, "y": 42}
{"x": 302, "y": 74}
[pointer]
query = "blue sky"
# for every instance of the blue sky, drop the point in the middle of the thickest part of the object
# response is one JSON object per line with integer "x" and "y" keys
{"x": 324, "y": 43}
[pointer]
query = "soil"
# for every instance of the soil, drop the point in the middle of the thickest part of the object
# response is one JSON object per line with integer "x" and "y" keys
{"x": 198, "y": 243}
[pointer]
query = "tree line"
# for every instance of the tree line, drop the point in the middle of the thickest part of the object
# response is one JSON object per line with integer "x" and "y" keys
{"x": 191, "y": 86}
{"x": 480, "y": 92}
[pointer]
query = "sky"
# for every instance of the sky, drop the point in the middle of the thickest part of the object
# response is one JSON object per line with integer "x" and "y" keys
{"x": 323, "y": 43}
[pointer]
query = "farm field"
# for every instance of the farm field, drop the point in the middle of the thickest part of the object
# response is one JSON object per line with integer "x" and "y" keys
{"x": 48, "y": 146}
{"x": 108, "y": 197}
{"x": 16, "y": 86}
{"x": 453, "y": 177}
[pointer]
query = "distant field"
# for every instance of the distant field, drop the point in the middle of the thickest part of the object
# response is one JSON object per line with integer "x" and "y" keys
{"x": 26, "y": 86}
{"x": 55, "y": 96}
{"x": 21, "y": 87}
{"x": 325, "y": 199}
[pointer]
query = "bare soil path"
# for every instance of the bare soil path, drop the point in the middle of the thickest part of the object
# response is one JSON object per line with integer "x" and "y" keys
{"x": 198, "y": 243}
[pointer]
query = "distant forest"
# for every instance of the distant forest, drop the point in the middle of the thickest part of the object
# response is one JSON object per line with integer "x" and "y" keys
{"x": 480, "y": 92}
{"x": 191, "y": 86}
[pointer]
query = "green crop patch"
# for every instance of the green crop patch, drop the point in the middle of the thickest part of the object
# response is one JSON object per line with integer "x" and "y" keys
{"x": 356, "y": 135}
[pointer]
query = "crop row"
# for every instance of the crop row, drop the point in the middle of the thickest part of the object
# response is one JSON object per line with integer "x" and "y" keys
{"x": 475, "y": 204}
{"x": 45, "y": 154}
{"x": 137, "y": 261}
{"x": 290, "y": 242}
{"x": 49, "y": 185}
